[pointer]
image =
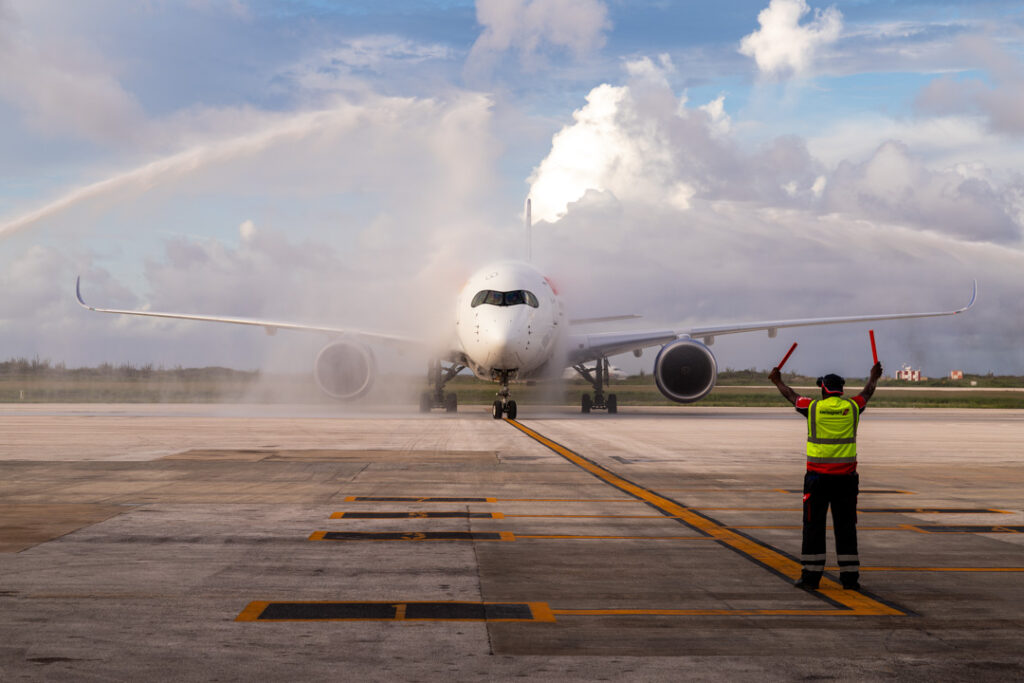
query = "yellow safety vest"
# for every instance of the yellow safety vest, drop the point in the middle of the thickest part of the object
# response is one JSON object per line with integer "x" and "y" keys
{"x": 832, "y": 434}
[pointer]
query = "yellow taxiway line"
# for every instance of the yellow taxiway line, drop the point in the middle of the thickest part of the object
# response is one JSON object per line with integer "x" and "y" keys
{"x": 855, "y": 602}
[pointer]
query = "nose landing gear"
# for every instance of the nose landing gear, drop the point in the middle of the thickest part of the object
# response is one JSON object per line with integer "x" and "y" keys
{"x": 598, "y": 378}
{"x": 504, "y": 405}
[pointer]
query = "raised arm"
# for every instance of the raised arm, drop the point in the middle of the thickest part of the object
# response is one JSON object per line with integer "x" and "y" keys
{"x": 776, "y": 377}
{"x": 869, "y": 388}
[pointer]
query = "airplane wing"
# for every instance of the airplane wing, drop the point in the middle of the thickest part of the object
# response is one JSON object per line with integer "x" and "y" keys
{"x": 587, "y": 347}
{"x": 271, "y": 326}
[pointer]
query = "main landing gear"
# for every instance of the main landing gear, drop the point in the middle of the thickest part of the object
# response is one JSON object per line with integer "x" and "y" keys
{"x": 503, "y": 405}
{"x": 598, "y": 378}
{"x": 438, "y": 377}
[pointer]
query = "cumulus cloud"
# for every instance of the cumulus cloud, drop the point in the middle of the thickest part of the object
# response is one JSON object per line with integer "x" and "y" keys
{"x": 624, "y": 142}
{"x": 531, "y": 27}
{"x": 783, "y": 46}
{"x": 639, "y": 142}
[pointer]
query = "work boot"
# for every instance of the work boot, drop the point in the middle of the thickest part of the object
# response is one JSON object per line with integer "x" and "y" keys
{"x": 808, "y": 581}
{"x": 851, "y": 582}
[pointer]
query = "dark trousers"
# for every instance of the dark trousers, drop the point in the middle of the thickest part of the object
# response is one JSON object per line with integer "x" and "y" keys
{"x": 840, "y": 492}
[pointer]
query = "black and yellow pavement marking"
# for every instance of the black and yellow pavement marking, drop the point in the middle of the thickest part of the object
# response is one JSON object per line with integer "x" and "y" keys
{"x": 411, "y": 536}
{"x": 430, "y": 499}
{"x": 849, "y": 602}
{"x": 786, "y": 491}
{"x": 481, "y": 536}
{"x": 902, "y": 511}
{"x": 939, "y": 511}
{"x": 701, "y": 612}
{"x": 829, "y": 527}
{"x": 938, "y": 569}
{"x": 464, "y": 514}
{"x": 582, "y": 537}
{"x": 969, "y": 529}
{"x": 396, "y": 611}
{"x": 414, "y": 499}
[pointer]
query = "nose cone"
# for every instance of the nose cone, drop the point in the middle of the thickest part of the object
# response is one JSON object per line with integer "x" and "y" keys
{"x": 504, "y": 341}
{"x": 500, "y": 339}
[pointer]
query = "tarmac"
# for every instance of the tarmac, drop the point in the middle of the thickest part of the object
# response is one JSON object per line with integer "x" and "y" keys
{"x": 196, "y": 542}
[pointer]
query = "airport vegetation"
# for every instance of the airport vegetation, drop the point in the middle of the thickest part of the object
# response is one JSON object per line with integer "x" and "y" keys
{"x": 40, "y": 381}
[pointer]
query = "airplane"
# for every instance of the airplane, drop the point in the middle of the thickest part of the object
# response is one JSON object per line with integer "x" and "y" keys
{"x": 511, "y": 325}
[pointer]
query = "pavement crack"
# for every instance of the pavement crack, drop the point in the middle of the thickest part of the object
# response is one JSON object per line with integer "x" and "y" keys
{"x": 479, "y": 581}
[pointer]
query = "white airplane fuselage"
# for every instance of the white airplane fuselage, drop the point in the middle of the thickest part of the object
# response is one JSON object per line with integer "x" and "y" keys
{"x": 509, "y": 318}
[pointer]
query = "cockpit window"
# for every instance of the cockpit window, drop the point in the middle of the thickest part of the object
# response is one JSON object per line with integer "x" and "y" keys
{"x": 516, "y": 297}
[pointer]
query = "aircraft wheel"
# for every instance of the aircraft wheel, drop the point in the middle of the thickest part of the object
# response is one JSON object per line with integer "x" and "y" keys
{"x": 586, "y": 403}
{"x": 496, "y": 410}
{"x": 426, "y": 402}
{"x": 451, "y": 403}
{"x": 613, "y": 404}
{"x": 510, "y": 410}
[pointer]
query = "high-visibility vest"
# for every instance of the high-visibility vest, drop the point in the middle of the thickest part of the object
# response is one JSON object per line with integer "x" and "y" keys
{"x": 832, "y": 435}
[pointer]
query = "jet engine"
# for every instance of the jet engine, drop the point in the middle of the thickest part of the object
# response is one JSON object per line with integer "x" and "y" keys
{"x": 685, "y": 370}
{"x": 345, "y": 370}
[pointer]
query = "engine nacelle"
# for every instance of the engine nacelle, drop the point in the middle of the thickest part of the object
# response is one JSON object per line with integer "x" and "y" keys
{"x": 685, "y": 370}
{"x": 345, "y": 370}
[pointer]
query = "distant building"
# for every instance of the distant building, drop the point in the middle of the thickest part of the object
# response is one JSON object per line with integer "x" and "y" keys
{"x": 956, "y": 374}
{"x": 909, "y": 374}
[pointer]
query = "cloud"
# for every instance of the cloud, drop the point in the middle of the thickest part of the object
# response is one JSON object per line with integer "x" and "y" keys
{"x": 623, "y": 141}
{"x": 640, "y": 143}
{"x": 342, "y": 68}
{"x": 782, "y": 46}
{"x": 533, "y": 27}
{"x": 998, "y": 100}
{"x": 377, "y": 51}
{"x": 895, "y": 186}
{"x": 63, "y": 87}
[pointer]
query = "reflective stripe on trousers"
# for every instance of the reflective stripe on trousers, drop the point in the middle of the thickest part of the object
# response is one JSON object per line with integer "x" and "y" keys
{"x": 849, "y": 564}
{"x": 813, "y": 563}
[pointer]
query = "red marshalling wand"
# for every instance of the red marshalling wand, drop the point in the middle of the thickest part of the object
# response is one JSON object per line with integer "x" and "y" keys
{"x": 786, "y": 357}
{"x": 874, "y": 351}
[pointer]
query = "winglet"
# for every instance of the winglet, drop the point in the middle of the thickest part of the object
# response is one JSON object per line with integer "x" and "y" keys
{"x": 974, "y": 295}
{"x": 78, "y": 293}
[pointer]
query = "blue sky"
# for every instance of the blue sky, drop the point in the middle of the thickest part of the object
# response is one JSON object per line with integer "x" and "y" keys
{"x": 689, "y": 161}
